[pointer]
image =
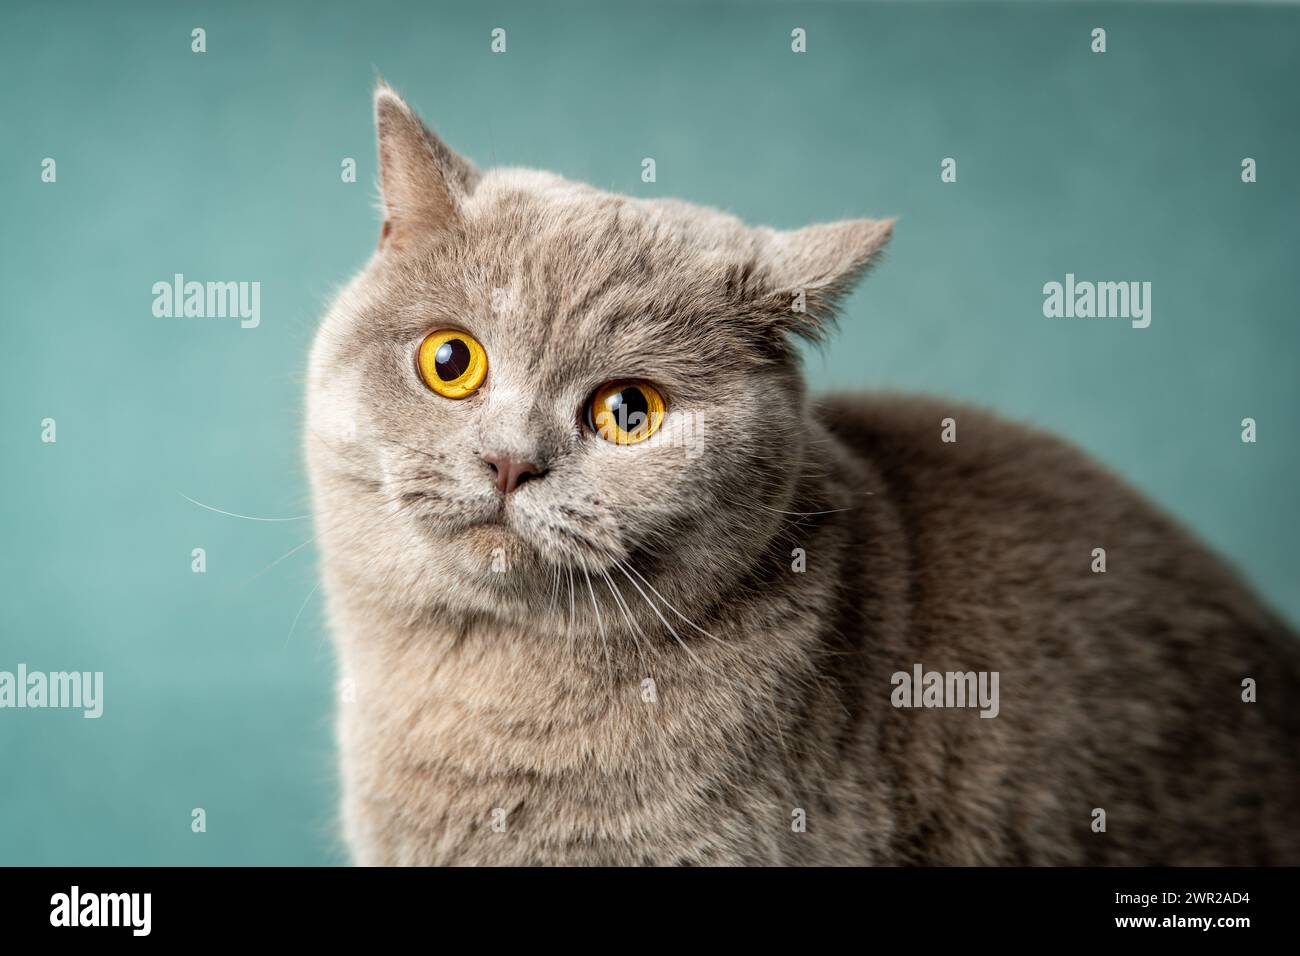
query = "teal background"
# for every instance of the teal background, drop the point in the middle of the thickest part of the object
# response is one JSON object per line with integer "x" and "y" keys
{"x": 225, "y": 166}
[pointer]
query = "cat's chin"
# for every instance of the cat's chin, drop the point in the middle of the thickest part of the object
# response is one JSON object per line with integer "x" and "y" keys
{"x": 497, "y": 563}
{"x": 496, "y": 573}
{"x": 493, "y": 538}
{"x": 493, "y": 546}
{"x": 496, "y": 556}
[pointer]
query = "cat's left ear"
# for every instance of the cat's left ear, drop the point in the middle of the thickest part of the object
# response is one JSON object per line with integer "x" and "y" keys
{"x": 808, "y": 271}
{"x": 422, "y": 179}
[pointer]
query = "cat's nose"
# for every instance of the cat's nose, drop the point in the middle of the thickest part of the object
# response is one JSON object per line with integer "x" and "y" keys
{"x": 510, "y": 473}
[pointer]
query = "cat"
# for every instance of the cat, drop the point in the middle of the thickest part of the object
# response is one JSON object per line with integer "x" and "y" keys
{"x": 567, "y": 635}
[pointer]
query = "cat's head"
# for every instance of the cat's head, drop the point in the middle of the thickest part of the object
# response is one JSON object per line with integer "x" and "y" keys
{"x": 533, "y": 379}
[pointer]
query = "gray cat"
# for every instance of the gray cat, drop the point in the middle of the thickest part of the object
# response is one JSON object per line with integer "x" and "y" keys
{"x": 608, "y": 587}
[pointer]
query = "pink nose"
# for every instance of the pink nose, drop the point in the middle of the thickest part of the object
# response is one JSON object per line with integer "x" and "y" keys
{"x": 511, "y": 473}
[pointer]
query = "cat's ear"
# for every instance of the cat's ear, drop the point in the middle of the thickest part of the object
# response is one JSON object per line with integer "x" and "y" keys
{"x": 422, "y": 180}
{"x": 809, "y": 270}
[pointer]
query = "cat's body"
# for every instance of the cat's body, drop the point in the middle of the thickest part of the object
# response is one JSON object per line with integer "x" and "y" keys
{"x": 644, "y": 657}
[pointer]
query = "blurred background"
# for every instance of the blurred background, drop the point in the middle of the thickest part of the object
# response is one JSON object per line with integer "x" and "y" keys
{"x": 225, "y": 165}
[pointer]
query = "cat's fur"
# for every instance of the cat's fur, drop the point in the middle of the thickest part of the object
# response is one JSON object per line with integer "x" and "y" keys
{"x": 471, "y": 697}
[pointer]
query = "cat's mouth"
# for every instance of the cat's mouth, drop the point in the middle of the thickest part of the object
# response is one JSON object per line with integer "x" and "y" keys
{"x": 501, "y": 536}
{"x": 489, "y": 531}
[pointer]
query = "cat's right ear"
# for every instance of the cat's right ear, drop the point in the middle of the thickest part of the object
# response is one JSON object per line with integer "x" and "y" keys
{"x": 423, "y": 182}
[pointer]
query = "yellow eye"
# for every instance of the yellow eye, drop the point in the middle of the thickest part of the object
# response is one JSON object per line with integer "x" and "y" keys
{"x": 625, "y": 412}
{"x": 452, "y": 363}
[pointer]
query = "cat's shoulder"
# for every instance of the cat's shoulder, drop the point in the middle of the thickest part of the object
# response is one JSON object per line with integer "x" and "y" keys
{"x": 905, "y": 434}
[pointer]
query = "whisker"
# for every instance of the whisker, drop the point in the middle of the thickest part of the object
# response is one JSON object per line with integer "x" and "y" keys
{"x": 287, "y": 554}
{"x": 801, "y": 514}
{"x": 627, "y": 616}
{"x": 671, "y": 630}
{"x": 609, "y": 664}
{"x": 571, "y": 609}
{"x": 231, "y": 514}
{"x": 669, "y": 604}
{"x": 301, "y": 608}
